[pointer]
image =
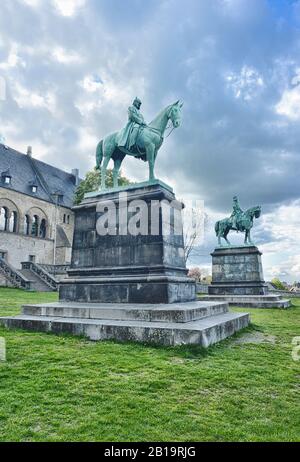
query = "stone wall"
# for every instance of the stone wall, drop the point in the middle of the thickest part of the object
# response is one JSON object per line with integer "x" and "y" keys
{"x": 63, "y": 255}
{"x": 202, "y": 288}
{"x": 18, "y": 245}
{"x": 285, "y": 293}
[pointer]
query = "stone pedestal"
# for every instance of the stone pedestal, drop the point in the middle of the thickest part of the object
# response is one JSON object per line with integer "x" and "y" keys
{"x": 124, "y": 268}
{"x": 237, "y": 271}
{"x": 237, "y": 278}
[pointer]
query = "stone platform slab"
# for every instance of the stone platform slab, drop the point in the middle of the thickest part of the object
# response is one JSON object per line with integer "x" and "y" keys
{"x": 177, "y": 312}
{"x": 251, "y": 301}
{"x": 203, "y": 332}
{"x": 198, "y": 322}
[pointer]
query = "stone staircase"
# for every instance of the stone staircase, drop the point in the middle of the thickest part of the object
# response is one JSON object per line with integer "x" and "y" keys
{"x": 199, "y": 322}
{"x": 36, "y": 283}
{"x": 30, "y": 277}
{"x": 40, "y": 279}
{"x": 12, "y": 276}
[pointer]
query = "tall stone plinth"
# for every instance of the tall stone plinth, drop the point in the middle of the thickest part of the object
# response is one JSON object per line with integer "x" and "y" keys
{"x": 237, "y": 271}
{"x": 137, "y": 261}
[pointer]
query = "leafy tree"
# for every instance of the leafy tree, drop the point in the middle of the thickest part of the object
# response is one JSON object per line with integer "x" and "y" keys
{"x": 92, "y": 183}
{"x": 278, "y": 284}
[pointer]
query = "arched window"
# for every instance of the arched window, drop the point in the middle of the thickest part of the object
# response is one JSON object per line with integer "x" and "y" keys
{"x": 4, "y": 219}
{"x": 43, "y": 229}
{"x": 13, "y": 222}
{"x": 35, "y": 226}
{"x": 26, "y": 225}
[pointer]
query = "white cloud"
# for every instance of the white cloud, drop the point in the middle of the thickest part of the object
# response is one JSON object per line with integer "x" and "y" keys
{"x": 32, "y": 3}
{"x": 283, "y": 224}
{"x": 66, "y": 56}
{"x": 289, "y": 105}
{"x": 68, "y": 7}
{"x": 2, "y": 89}
{"x": 91, "y": 83}
{"x": 30, "y": 99}
{"x": 287, "y": 270}
{"x": 246, "y": 83}
{"x": 86, "y": 107}
{"x": 110, "y": 89}
{"x": 13, "y": 60}
{"x": 281, "y": 253}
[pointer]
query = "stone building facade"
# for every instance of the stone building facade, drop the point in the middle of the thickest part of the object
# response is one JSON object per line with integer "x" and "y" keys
{"x": 36, "y": 220}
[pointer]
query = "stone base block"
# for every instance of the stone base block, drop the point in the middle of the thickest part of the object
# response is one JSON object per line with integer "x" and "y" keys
{"x": 251, "y": 301}
{"x": 151, "y": 289}
{"x": 238, "y": 289}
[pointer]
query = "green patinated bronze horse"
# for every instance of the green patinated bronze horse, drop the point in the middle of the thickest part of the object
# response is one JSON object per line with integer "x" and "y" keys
{"x": 244, "y": 224}
{"x": 148, "y": 141}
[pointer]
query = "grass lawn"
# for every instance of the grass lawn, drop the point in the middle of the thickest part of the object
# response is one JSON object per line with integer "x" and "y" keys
{"x": 61, "y": 388}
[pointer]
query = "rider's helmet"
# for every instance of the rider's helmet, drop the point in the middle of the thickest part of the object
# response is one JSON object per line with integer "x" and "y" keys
{"x": 137, "y": 103}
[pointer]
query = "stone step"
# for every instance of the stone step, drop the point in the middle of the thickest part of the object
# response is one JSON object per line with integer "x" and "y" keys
{"x": 203, "y": 332}
{"x": 250, "y": 301}
{"x": 176, "y": 312}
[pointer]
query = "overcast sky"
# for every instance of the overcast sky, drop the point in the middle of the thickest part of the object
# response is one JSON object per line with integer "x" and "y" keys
{"x": 72, "y": 67}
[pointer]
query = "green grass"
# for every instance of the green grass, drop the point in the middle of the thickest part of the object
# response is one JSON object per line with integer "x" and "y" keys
{"x": 11, "y": 300}
{"x": 61, "y": 388}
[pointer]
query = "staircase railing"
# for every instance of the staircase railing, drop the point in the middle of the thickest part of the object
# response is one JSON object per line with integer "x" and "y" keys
{"x": 41, "y": 273}
{"x": 13, "y": 276}
{"x": 55, "y": 269}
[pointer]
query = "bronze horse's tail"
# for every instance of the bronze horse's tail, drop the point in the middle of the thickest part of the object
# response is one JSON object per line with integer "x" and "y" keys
{"x": 99, "y": 154}
{"x": 217, "y": 227}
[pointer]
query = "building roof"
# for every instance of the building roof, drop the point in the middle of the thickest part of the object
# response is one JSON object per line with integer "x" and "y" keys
{"x": 52, "y": 183}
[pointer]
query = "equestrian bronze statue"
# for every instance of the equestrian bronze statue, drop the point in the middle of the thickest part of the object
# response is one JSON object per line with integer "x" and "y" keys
{"x": 238, "y": 221}
{"x": 137, "y": 139}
